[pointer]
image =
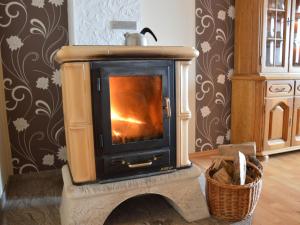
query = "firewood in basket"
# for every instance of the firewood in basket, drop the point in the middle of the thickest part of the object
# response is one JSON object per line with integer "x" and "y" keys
{"x": 228, "y": 165}
{"x": 255, "y": 161}
{"x": 222, "y": 176}
{"x": 221, "y": 163}
{"x": 240, "y": 169}
{"x": 249, "y": 149}
{"x": 251, "y": 173}
{"x": 249, "y": 179}
{"x": 216, "y": 164}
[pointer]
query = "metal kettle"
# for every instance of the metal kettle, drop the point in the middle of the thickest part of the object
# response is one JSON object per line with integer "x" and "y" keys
{"x": 138, "y": 39}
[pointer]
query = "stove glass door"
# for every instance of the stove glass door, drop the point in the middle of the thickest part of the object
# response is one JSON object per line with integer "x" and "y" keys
{"x": 136, "y": 108}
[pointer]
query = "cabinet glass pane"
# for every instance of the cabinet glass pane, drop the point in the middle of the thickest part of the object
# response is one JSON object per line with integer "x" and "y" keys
{"x": 272, "y": 4}
{"x": 279, "y": 53}
{"x": 270, "y": 53}
{"x": 280, "y": 25}
{"x": 271, "y": 25}
{"x": 280, "y": 4}
{"x": 276, "y": 33}
{"x": 296, "y": 38}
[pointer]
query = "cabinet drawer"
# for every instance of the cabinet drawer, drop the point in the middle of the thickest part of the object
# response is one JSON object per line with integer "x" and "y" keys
{"x": 280, "y": 88}
{"x": 297, "y": 88}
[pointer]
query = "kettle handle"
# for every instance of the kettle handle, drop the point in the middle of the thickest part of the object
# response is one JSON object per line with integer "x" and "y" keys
{"x": 148, "y": 30}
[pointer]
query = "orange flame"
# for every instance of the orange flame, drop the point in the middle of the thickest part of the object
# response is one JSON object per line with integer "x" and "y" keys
{"x": 116, "y": 133}
{"x": 116, "y": 117}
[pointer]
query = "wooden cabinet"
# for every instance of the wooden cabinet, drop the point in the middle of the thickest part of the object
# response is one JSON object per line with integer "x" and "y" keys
{"x": 266, "y": 83}
{"x": 267, "y": 112}
{"x": 267, "y": 37}
{"x": 278, "y": 123}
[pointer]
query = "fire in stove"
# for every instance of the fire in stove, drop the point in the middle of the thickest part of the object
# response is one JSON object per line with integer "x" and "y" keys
{"x": 136, "y": 108}
{"x": 117, "y": 117}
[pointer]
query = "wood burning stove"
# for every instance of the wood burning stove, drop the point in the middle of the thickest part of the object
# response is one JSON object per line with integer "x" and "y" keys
{"x": 134, "y": 122}
{"x": 126, "y": 110}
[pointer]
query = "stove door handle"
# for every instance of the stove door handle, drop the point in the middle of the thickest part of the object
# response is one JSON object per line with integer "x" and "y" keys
{"x": 139, "y": 165}
{"x": 168, "y": 107}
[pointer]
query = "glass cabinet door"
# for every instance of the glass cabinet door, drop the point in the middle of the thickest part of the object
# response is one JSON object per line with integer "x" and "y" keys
{"x": 295, "y": 38}
{"x": 276, "y": 36}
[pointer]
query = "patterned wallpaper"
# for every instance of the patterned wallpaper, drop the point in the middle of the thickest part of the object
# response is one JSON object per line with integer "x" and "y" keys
{"x": 31, "y": 31}
{"x": 214, "y": 67}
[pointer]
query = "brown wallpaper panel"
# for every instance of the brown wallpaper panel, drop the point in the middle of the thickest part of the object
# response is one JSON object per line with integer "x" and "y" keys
{"x": 214, "y": 67}
{"x": 31, "y": 31}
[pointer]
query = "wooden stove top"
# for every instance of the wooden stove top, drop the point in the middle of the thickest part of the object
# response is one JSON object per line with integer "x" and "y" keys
{"x": 88, "y": 53}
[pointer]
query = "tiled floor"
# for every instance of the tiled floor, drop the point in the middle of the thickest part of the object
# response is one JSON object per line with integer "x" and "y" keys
{"x": 34, "y": 200}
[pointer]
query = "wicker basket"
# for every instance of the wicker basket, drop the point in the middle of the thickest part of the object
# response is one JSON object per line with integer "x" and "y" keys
{"x": 233, "y": 202}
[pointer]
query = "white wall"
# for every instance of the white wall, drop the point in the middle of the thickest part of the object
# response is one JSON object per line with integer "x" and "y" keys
{"x": 5, "y": 153}
{"x": 173, "y": 22}
{"x": 89, "y": 21}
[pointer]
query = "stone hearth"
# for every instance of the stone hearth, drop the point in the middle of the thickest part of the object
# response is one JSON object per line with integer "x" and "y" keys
{"x": 92, "y": 204}
{"x": 34, "y": 199}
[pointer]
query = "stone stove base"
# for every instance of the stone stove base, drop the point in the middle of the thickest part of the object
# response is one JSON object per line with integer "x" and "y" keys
{"x": 92, "y": 204}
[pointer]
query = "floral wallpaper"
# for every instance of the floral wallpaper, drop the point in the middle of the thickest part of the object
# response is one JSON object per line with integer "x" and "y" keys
{"x": 31, "y": 31}
{"x": 214, "y": 67}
